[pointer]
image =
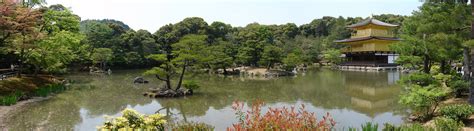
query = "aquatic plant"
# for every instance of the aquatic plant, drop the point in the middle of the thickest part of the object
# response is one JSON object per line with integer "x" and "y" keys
{"x": 48, "y": 89}
{"x": 278, "y": 119}
{"x": 370, "y": 127}
{"x": 10, "y": 99}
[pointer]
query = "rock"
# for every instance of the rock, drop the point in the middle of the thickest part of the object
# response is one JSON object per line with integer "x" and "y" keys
{"x": 165, "y": 92}
{"x": 140, "y": 80}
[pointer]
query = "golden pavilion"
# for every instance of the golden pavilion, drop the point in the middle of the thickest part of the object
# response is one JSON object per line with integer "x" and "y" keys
{"x": 369, "y": 44}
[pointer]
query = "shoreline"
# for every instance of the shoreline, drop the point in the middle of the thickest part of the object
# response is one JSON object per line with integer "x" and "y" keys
{"x": 5, "y": 110}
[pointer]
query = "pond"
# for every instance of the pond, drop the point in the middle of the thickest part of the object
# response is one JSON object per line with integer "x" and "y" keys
{"x": 352, "y": 98}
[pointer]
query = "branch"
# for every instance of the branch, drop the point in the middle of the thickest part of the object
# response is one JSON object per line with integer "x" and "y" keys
{"x": 159, "y": 78}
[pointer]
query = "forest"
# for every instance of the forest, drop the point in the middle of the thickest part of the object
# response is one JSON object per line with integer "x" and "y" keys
{"x": 113, "y": 44}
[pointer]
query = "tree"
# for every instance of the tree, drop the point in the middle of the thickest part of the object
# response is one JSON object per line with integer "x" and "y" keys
{"x": 333, "y": 56}
{"x": 271, "y": 55}
{"x": 185, "y": 53}
{"x": 55, "y": 52}
{"x": 434, "y": 34}
{"x": 26, "y": 33}
{"x": 291, "y": 61}
{"x": 221, "y": 56}
{"x": 101, "y": 56}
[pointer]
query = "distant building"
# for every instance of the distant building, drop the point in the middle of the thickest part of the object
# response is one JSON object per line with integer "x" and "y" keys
{"x": 369, "y": 45}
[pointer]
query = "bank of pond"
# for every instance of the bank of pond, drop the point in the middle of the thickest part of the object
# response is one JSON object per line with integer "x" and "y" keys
{"x": 13, "y": 90}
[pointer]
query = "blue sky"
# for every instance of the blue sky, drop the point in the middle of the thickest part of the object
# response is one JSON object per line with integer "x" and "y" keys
{"x": 152, "y": 14}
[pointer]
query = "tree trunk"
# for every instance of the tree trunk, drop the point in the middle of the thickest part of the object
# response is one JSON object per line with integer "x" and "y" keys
{"x": 225, "y": 70}
{"x": 443, "y": 67}
{"x": 37, "y": 68}
{"x": 471, "y": 91}
{"x": 181, "y": 77}
{"x": 466, "y": 66}
{"x": 426, "y": 64}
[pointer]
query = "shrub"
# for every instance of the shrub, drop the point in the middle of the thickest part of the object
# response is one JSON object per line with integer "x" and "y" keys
{"x": 457, "y": 112}
{"x": 278, "y": 119}
{"x": 370, "y": 127}
{"x": 191, "y": 127}
{"x": 459, "y": 86}
{"x": 423, "y": 100}
{"x": 421, "y": 79}
{"x": 131, "y": 120}
{"x": 447, "y": 124}
{"x": 191, "y": 85}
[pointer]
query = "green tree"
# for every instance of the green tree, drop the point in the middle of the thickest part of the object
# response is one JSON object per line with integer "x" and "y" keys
{"x": 221, "y": 56}
{"x": 187, "y": 52}
{"x": 333, "y": 56}
{"x": 101, "y": 56}
{"x": 54, "y": 53}
{"x": 291, "y": 61}
{"x": 434, "y": 34}
{"x": 271, "y": 55}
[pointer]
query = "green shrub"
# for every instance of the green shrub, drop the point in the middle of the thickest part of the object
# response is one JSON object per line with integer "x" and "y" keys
{"x": 191, "y": 127}
{"x": 370, "y": 127}
{"x": 457, "y": 112}
{"x": 423, "y": 100}
{"x": 132, "y": 120}
{"x": 10, "y": 99}
{"x": 447, "y": 124}
{"x": 459, "y": 86}
{"x": 191, "y": 85}
{"x": 421, "y": 79}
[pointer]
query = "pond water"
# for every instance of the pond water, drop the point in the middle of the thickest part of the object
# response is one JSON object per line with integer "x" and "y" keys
{"x": 352, "y": 98}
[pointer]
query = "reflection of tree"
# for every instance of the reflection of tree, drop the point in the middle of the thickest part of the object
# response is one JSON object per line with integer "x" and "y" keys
{"x": 367, "y": 93}
{"x": 112, "y": 94}
{"x": 323, "y": 88}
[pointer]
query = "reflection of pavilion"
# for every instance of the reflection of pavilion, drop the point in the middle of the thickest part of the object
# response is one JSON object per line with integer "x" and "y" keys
{"x": 373, "y": 92}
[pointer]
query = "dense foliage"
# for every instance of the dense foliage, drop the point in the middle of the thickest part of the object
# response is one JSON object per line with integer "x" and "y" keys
{"x": 457, "y": 112}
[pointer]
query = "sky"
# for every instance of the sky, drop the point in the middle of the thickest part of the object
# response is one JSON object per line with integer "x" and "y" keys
{"x": 152, "y": 14}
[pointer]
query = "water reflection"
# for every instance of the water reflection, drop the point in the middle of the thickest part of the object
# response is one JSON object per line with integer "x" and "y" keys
{"x": 352, "y": 98}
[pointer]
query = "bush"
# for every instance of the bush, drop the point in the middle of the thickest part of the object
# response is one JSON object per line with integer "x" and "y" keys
{"x": 10, "y": 99}
{"x": 447, "y": 124}
{"x": 192, "y": 85}
{"x": 457, "y": 112}
{"x": 459, "y": 86}
{"x": 278, "y": 119}
{"x": 191, "y": 127}
{"x": 421, "y": 79}
{"x": 131, "y": 120}
{"x": 423, "y": 100}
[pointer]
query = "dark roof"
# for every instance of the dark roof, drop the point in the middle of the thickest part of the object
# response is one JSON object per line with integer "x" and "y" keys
{"x": 371, "y": 21}
{"x": 366, "y": 38}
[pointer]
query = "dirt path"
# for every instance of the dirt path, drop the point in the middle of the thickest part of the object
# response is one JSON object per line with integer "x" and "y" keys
{"x": 5, "y": 110}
